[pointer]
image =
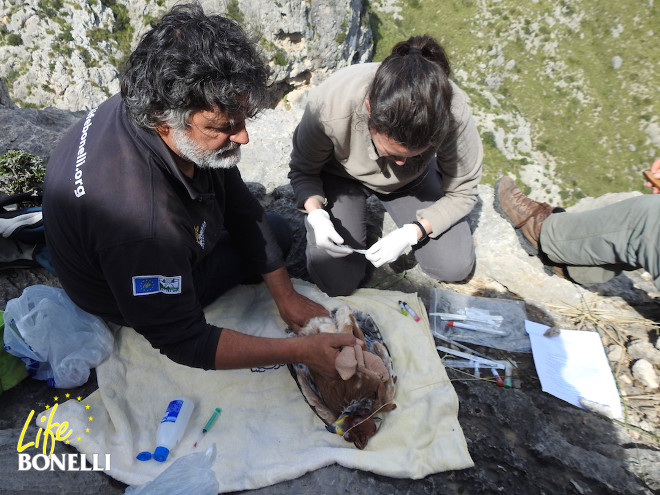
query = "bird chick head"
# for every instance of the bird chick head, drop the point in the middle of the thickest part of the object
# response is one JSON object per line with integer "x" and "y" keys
{"x": 357, "y": 427}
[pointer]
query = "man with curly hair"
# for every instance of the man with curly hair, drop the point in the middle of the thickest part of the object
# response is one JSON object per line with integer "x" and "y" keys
{"x": 147, "y": 217}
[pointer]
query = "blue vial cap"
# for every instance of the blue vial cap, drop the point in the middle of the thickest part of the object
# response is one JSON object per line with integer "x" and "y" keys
{"x": 143, "y": 456}
{"x": 161, "y": 453}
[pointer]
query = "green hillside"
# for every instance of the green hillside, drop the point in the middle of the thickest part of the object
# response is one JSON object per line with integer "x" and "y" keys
{"x": 546, "y": 74}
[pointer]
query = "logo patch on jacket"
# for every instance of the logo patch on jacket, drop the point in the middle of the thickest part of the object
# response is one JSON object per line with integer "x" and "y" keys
{"x": 153, "y": 284}
{"x": 200, "y": 234}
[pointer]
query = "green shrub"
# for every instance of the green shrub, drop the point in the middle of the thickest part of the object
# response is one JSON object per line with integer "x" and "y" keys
{"x": 234, "y": 11}
{"x": 20, "y": 171}
{"x": 280, "y": 57}
{"x": 14, "y": 39}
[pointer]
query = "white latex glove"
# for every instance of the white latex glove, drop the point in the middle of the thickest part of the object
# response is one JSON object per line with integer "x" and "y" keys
{"x": 326, "y": 235}
{"x": 390, "y": 247}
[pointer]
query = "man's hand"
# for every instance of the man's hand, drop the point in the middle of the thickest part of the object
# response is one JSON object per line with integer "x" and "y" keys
{"x": 322, "y": 349}
{"x": 390, "y": 247}
{"x": 655, "y": 170}
{"x": 325, "y": 234}
{"x": 295, "y": 309}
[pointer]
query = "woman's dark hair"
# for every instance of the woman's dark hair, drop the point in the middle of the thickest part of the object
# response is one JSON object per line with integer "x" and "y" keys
{"x": 410, "y": 96}
{"x": 189, "y": 62}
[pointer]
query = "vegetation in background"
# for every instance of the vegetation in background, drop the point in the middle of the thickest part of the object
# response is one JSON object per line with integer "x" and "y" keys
{"x": 566, "y": 87}
{"x": 341, "y": 36}
{"x": 20, "y": 172}
{"x": 275, "y": 53}
{"x": 582, "y": 75}
{"x": 121, "y": 33}
{"x": 234, "y": 11}
{"x": 119, "y": 36}
{"x": 14, "y": 39}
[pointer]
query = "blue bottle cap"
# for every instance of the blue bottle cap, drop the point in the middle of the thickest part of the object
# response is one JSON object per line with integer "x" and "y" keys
{"x": 143, "y": 456}
{"x": 161, "y": 453}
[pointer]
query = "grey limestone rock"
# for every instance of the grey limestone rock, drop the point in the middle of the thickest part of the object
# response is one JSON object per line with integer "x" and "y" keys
{"x": 72, "y": 59}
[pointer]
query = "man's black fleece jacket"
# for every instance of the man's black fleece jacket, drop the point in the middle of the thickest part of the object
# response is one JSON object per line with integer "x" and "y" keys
{"x": 125, "y": 228}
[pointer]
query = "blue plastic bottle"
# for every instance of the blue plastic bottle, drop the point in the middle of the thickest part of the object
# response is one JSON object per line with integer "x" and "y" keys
{"x": 172, "y": 426}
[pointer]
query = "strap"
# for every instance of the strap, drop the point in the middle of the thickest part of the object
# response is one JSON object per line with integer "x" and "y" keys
{"x": 34, "y": 196}
{"x": 14, "y": 221}
{"x": 421, "y": 227}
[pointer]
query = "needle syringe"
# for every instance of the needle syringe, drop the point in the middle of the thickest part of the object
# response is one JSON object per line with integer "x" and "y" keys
{"x": 208, "y": 425}
{"x": 476, "y": 328}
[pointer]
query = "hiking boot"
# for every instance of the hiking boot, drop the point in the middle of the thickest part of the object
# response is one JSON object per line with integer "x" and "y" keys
{"x": 524, "y": 214}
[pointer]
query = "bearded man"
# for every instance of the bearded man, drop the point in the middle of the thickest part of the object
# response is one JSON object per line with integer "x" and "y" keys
{"x": 147, "y": 218}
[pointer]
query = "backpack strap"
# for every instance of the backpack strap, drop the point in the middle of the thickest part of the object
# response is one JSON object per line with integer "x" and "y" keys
{"x": 23, "y": 225}
{"x": 34, "y": 196}
{"x": 22, "y": 236}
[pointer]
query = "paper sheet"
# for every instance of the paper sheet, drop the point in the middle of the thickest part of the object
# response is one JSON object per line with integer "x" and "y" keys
{"x": 573, "y": 366}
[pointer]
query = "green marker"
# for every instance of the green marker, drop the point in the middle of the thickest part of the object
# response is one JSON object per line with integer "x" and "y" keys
{"x": 208, "y": 425}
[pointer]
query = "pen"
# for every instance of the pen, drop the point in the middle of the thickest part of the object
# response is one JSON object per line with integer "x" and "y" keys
{"x": 500, "y": 382}
{"x": 208, "y": 425}
{"x": 493, "y": 331}
{"x": 403, "y": 308}
{"x": 409, "y": 310}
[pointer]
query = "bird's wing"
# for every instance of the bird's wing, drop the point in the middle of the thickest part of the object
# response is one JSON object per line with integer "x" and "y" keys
{"x": 305, "y": 382}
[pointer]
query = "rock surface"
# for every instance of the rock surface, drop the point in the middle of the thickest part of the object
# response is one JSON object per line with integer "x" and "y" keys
{"x": 69, "y": 54}
{"x": 522, "y": 440}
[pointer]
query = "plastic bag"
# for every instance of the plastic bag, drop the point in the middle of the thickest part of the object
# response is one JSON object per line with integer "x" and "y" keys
{"x": 57, "y": 341}
{"x": 191, "y": 473}
{"x": 507, "y": 314}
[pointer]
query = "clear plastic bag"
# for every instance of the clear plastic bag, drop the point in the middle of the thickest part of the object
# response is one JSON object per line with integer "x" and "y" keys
{"x": 191, "y": 473}
{"x": 57, "y": 341}
{"x": 506, "y": 315}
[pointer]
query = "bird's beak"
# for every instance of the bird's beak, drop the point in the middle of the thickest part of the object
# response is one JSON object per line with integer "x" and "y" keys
{"x": 338, "y": 426}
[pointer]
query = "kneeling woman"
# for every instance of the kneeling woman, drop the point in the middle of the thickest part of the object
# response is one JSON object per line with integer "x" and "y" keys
{"x": 403, "y": 131}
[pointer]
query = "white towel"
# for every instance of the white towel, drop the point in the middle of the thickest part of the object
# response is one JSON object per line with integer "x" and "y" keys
{"x": 267, "y": 433}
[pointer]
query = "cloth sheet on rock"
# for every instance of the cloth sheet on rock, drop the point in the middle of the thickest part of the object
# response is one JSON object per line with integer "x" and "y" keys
{"x": 267, "y": 433}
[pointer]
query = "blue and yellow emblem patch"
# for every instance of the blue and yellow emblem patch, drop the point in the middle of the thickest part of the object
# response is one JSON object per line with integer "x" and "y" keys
{"x": 153, "y": 284}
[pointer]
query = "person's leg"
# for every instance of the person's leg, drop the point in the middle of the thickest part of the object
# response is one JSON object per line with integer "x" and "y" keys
{"x": 449, "y": 257}
{"x": 624, "y": 235}
{"x": 225, "y": 267}
{"x": 347, "y": 209}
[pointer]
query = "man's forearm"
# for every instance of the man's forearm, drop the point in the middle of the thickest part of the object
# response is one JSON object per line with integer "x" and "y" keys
{"x": 295, "y": 309}
{"x": 279, "y": 284}
{"x": 237, "y": 350}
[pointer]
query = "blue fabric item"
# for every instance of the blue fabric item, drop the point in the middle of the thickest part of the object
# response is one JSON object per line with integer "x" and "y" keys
{"x": 42, "y": 256}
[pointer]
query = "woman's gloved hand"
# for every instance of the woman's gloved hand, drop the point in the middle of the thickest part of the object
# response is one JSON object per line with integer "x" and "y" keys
{"x": 326, "y": 235}
{"x": 393, "y": 245}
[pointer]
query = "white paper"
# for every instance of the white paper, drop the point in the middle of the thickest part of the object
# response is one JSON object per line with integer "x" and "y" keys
{"x": 573, "y": 366}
